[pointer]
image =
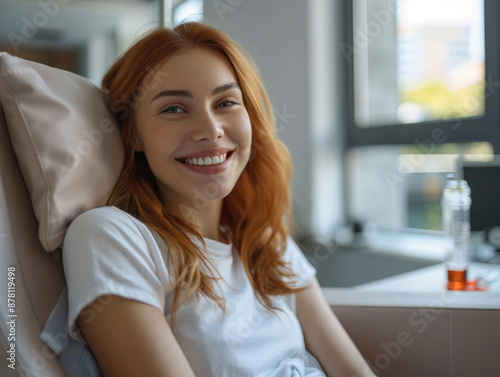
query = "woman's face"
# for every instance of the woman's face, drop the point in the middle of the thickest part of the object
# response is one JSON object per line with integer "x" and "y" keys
{"x": 194, "y": 128}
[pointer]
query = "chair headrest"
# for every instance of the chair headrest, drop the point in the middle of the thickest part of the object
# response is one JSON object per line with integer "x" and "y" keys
{"x": 65, "y": 138}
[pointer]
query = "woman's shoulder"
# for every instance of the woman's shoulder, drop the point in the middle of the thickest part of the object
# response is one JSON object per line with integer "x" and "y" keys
{"x": 108, "y": 222}
{"x": 109, "y": 231}
{"x": 104, "y": 216}
{"x": 105, "y": 213}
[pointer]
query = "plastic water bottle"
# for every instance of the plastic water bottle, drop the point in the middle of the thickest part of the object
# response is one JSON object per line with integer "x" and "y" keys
{"x": 455, "y": 207}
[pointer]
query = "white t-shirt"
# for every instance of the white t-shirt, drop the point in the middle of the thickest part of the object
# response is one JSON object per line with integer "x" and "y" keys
{"x": 107, "y": 251}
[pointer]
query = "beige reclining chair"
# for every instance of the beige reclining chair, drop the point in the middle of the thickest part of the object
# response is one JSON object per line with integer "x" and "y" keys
{"x": 39, "y": 278}
{"x": 59, "y": 153}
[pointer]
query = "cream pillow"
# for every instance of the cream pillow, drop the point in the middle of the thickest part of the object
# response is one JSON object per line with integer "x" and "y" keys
{"x": 65, "y": 139}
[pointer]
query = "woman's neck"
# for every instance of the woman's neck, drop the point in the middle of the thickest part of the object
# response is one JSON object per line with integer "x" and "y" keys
{"x": 207, "y": 220}
{"x": 209, "y": 223}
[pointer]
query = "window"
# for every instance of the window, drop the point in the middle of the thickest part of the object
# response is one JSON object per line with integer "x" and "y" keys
{"x": 423, "y": 69}
{"x": 423, "y": 83}
{"x": 400, "y": 186}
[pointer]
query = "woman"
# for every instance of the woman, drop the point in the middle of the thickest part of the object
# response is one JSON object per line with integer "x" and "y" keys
{"x": 190, "y": 269}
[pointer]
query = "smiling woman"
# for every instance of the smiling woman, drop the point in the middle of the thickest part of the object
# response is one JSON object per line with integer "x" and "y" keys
{"x": 197, "y": 116}
{"x": 193, "y": 252}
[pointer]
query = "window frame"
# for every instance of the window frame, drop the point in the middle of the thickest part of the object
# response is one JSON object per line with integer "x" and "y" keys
{"x": 484, "y": 128}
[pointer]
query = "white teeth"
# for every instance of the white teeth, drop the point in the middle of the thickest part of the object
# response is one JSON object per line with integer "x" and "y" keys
{"x": 206, "y": 161}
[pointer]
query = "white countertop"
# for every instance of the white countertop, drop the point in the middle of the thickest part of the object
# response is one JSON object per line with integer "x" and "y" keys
{"x": 428, "y": 279}
{"x": 425, "y": 287}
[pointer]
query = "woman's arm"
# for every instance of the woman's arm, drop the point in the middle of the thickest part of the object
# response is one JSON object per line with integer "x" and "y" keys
{"x": 325, "y": 336}
{"x": 130, "y": 338}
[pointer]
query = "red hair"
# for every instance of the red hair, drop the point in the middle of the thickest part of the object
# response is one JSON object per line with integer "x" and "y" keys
{"x": 256, "y": 214}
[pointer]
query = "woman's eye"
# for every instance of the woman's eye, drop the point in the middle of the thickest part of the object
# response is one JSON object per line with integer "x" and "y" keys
{"x": 226, "y": 104}
{"x": 172, "y": 110}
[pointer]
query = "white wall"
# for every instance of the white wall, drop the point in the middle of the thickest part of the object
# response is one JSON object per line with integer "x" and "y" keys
{"x": 291, "y": 42}
{"x": 327, "y": 99}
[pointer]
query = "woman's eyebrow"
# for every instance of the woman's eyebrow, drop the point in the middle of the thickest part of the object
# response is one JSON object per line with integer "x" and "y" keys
{"x": 225, "y": 87}
{"x": 173, "y": 93}
{"x": 188, "y": 94}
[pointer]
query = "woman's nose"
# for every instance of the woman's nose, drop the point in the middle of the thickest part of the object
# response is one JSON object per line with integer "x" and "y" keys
{"x": 207, "y": 127}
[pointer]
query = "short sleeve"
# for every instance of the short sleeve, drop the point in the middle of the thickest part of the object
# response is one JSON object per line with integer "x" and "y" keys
{"x": 299, "y": 264}
{"x": 108, "y": 252}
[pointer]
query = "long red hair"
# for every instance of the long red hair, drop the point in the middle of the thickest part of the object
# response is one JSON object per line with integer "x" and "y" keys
{"x": 256, "y": 214}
